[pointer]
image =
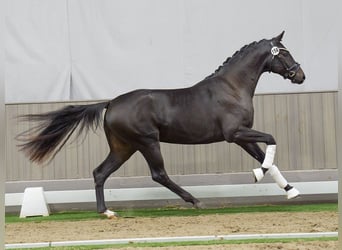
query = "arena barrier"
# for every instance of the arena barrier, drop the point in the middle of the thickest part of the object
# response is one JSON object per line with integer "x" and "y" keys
{"x": 238, "y": 185}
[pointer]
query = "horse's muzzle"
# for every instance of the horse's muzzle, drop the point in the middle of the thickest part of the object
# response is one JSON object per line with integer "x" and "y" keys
{"x": 299, "y": 77}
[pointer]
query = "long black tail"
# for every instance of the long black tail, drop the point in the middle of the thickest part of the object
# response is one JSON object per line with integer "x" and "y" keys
{"x": 54, "y": 128}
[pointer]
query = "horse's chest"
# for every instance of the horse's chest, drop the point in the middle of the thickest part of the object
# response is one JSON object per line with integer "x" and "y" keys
{"x": 247, "y": 117}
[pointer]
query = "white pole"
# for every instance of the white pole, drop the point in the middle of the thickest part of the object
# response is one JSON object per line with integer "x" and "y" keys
{"x": 339, "y": 126}
{"x": 2, "y": 126}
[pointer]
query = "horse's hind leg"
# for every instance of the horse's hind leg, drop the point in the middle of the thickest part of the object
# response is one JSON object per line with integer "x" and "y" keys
{"x": 112, "y": 163}
{"x": 155, "y": 161}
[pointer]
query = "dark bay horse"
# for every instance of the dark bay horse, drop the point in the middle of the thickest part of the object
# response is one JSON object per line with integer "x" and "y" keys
{"x": 218, "y": 108}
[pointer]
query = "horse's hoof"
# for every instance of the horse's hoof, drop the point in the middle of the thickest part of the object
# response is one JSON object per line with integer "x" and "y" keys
{"x": 258, "y": 174}
{"x": 199, "y": 205}
{"x": 110, "y": 214}
{"x": 292, "y": 193}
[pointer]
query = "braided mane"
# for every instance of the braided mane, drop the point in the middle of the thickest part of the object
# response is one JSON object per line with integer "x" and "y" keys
{"x": 240, "y": 52}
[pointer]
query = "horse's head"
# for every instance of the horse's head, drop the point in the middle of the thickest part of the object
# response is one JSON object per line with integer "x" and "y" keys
{"x": 282, "y": 62}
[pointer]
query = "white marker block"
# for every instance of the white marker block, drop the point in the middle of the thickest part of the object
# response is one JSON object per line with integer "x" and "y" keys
{"x": 34, "y": 203}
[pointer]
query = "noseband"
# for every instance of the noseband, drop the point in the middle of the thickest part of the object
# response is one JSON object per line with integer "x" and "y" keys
{"x": 290, "y": 71}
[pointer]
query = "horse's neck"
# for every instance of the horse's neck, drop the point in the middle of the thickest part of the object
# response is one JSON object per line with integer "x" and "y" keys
{"x": 245, "y": 73}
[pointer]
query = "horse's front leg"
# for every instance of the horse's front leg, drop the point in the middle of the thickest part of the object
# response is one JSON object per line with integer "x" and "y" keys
{"x": 247, "y": 139}
{"x": 256, "y": 152}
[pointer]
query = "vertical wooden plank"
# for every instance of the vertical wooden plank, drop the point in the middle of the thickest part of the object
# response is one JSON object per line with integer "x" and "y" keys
{"x": 82, "y": 159}
{"x": 248, "y": 162}
{"x": 189, "y": 159}
{"x": 223, "y": 157}
{"x": 305, "y": 131}
{"x": 92, "y": 141}
{"x": 22, "y": 160}
{"x": 293, "y": 125}
{"x": 171, "y": 165}
{"x": 211, "y": 161}
{"x": 200, "y": 159}
{"x": 70, "y": 161}
{"x": 316, "y": 125}
{"x": 329, "y": 129}
{"x": 98, "y": 147}
{"x": 174, "y": 160}
{"x": 281, "y": 128}
{"x": 214, "y": 157}
{"x": 235, "y": 158}
{"x": 11, "y": 131}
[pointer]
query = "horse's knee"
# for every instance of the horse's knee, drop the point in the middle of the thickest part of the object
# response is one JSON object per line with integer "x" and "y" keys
{"x": 99, "y": 179}
{"x": 270, "y": 140}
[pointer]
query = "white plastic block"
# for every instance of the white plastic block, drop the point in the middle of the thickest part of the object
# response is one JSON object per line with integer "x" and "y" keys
{"x": 34, "y": 203}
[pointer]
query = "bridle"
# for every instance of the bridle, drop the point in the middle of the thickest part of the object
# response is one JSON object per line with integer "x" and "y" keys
{"x": 290, "y": 71}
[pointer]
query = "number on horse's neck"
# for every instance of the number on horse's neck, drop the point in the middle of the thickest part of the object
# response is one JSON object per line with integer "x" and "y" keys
{"x": 245, "y": 67}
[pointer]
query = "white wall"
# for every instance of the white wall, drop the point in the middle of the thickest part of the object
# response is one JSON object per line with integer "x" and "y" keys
{"x": 86, "y": 49}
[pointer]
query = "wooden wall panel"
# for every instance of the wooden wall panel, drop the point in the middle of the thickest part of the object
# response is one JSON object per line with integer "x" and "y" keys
{"x": 302, "y": 124}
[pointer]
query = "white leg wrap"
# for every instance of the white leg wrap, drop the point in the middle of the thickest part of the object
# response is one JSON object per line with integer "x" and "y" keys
{"x": 292, "y": 193}
{"x": 282, "y": 182}
{"x": 269, "y": 156}
{"x": 277, "y": 176}
{"x": 258, "y": 174}
{"x": 110, "y": 214}
{"x": 268, "y": 162}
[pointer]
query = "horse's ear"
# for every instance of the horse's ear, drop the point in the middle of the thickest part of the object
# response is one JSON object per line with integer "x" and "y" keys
{"x": 280, "y": 37}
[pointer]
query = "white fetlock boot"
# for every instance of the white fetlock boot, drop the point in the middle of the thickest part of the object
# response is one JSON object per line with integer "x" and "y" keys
{"x": 282, "y": 182}
{"x": 268, "y": 162}
{"x": 110, "y": 214}
{"x": 292, "y": 193}
{"x": 258, "y": 174}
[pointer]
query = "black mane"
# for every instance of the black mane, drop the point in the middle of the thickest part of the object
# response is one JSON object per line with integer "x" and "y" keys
{"x": 239, "y": 52}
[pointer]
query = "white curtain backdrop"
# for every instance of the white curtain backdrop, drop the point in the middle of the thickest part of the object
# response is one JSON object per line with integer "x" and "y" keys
{"x": 61, "y": 50}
